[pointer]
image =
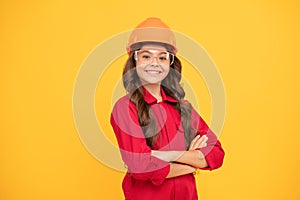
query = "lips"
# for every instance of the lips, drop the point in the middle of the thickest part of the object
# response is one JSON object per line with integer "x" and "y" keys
{"x": 153, "y": 71}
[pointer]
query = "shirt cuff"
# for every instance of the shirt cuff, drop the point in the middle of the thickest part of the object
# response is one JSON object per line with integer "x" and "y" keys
{"x": 206, "y": 151}
{"x": 160, "y": 175}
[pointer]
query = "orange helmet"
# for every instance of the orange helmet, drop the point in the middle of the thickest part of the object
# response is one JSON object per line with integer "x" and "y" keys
{"x": 152, "y": 30}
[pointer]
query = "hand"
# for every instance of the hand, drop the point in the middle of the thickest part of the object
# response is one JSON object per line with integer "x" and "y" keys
{"x": 198, "y": 142}
{"x": 177, "y": 169}
{"x": 192, "y": 169}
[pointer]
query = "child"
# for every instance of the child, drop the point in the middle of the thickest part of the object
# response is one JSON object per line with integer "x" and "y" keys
{"x": 162, "y": 139}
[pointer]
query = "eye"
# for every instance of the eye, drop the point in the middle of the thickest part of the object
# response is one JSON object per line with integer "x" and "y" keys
{"x": 145, "y": 57}
{"x": 163, "y": 58}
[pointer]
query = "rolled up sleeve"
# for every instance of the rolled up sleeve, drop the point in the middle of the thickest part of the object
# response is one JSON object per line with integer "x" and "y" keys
{"x": 213, "y": 152}
{"x": 132, "y": 144}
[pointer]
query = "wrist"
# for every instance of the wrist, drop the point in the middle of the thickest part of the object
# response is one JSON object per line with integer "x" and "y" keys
{"x": 197, "y": 153}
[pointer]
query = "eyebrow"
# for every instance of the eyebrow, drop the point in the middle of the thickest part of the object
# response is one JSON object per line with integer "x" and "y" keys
{"x": 151, "y": 51}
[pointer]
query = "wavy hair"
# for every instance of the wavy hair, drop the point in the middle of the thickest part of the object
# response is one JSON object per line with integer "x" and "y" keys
{"x": 171, "y": 86}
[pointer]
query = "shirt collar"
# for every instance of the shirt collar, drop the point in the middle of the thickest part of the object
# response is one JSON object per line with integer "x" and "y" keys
{"x": 150, "y": 99}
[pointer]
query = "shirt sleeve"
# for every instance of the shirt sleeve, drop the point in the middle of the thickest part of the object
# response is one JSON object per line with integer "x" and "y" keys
{"x": 213, "y": 152}
{"x": 132, "y": 144}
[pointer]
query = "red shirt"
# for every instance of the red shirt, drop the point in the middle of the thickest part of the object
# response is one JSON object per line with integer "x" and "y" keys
{"x": 146, "y": 176}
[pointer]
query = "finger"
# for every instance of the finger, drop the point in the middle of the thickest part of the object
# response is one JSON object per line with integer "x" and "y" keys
{"x": 199, "y": 143}
{"x": 196, "y": 144}
{"x": 193, "y": 142}
{"x": 192, "y": 145}
{"x": 203, "y": 145}
{"x": 204, "y": 141}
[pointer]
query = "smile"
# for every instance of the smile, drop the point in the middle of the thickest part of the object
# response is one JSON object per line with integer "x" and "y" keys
{"x": 153, "y": 71}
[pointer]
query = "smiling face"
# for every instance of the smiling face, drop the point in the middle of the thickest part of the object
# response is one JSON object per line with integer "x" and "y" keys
{"x": 152, "y": 63}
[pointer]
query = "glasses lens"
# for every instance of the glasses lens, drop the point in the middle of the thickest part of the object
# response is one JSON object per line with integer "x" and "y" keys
{"x": 147, "y": 57}
{"x": 144, "y": 56}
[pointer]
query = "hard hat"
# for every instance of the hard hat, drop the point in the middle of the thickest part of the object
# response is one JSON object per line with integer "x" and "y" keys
{"x": 152, "y": 30}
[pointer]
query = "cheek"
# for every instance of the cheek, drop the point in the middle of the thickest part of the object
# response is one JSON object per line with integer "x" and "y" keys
{"x": 139, "y": 70}
{"x": 166, "y": 70}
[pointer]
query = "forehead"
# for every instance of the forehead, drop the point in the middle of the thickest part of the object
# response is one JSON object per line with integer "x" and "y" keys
{"x": 156, "y": 47}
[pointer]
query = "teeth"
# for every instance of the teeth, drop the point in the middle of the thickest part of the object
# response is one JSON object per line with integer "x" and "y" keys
{"x": 153, "y": 72}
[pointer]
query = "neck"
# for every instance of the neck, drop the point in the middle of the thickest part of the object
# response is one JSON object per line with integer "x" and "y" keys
{"x": 154, "y": 89}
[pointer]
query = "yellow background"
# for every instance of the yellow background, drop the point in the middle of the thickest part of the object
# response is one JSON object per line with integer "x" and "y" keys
{"x": 255, "y": 45}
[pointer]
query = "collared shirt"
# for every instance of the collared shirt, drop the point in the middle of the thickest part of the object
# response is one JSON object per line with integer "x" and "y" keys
{"x": 146, "y": 176}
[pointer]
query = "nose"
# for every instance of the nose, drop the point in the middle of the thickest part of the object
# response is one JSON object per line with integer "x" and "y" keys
{"x": 154, "y": 61}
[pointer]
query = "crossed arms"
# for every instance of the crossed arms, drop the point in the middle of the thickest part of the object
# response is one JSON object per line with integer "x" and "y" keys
{"x": 184, "y": 162}
{"x": 150, "y": 165}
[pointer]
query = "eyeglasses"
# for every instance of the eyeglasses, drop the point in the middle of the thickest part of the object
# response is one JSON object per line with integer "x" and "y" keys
{"x": 147, "y": 57}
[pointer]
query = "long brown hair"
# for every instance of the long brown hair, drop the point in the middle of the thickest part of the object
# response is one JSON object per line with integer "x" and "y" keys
{"x": 171, "y": 86}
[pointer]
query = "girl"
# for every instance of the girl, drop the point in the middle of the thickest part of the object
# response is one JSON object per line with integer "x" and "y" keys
{"x": 162, "y": 139}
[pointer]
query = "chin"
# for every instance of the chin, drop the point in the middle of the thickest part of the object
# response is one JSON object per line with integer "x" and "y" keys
{"x": 151, "y": 81}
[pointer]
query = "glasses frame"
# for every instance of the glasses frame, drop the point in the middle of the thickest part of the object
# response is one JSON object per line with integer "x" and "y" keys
{"x": 168, "y": 55}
